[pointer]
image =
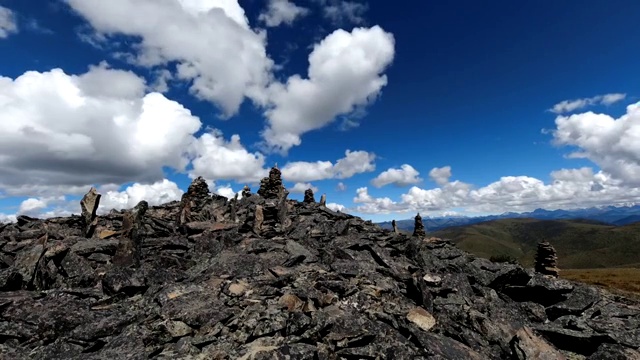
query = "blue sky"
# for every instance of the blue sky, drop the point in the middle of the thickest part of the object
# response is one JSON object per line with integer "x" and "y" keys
{"x": 440, "y": 107}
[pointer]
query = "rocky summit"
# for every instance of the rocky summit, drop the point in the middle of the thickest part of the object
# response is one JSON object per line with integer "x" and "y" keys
{"x": 271, "y": 278}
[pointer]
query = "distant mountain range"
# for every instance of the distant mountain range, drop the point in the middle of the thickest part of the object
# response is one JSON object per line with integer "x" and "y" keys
{"x": 612, "y": 215}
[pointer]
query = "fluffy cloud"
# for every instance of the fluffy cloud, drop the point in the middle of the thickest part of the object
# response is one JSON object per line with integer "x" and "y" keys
{"x": 340, "y": 12}
{"x": 157, "y": 193}
{"x": 569, "y": 188}
{"x": 61, "y": 133}
{"x": 59, "y": 130}
{"x": 612, "y": 144}
{"x": 188, "y": 32}
{"x": 341, "y": 186}
{"x": 345, "y": 69}
{"x": 405, "y": 175}
{"x": 31, "y": 206}
{"x": 566, "y": 106}
{"x": 354, "y": 162}
{"x": 7, "y": 22}
{"x": 440, "y": 175}
{"x": 4, "y": 218}
{"x": 300, "y": 188}
{"x": 332, "y": 206}
{"x": 281, "y": 12}
{"x": 370, "y": 205}
{"x": 345, "y": 73}
{"x": 226, "y": 160}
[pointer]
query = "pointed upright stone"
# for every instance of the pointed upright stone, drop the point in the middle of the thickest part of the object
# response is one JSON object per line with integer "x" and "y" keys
{"x": 308, "y": 197}
{"x": 258, "y": 219}
{"x": 89, "y": 205}
{"x": 395, "y": 226}
{"x": 129, "y": 252}
{"x": 418, "y": 228}
{"x": 323, "y": 200}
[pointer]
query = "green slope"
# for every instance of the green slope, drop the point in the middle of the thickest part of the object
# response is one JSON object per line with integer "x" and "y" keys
{"x": 580, "y": 244}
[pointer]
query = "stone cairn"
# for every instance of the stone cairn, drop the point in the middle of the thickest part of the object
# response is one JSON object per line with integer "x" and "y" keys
{"x": 246, "y": 191}
{"x": 418, "y": 228}
{"x": 308, "y": 196}
{"x": 546, "y": 260}
{"x": 395, "y": 226}
{"x": 272, "y": 217}
{"x": 271, "y": 187}
{"x": 323, "y": 200}
{"x": 194, "y": 202}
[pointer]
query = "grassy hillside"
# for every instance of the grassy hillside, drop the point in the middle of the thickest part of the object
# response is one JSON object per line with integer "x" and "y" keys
{"x": 580, "y": 244}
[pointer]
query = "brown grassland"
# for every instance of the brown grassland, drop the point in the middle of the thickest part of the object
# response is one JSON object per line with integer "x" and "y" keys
{"x": 624, "y": 281}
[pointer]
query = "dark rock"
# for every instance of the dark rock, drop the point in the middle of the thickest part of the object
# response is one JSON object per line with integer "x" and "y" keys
{"x": 525, "y": 345}
{"x": 129, "y": 251}
{"x": 323, "y": 200}
{"x": 308, "y": 197}
{"x": 614, "y": 352}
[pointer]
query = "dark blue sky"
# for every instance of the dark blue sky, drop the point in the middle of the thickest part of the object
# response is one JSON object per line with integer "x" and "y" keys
{"x": 470, "y": 85}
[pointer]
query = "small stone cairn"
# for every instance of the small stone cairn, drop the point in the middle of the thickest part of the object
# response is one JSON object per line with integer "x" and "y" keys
{"x": 546, "y": 260}
{"x": 418, "y": 228}
{"x": 308, "y": 196}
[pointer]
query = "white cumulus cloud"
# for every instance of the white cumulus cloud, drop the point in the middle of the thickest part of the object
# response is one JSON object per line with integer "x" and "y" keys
{"x": 345, "y": 73}
{"x": 156, "y": 193}
{"x": 405, "y": 175}
{"x": 226, "y": 160}
{"x": 282, "y": 12}
{"x": 612, "y": 144}
{"x": 59, "y": 130}
{"x": 211, "y": 41}
{"x": 354, "y": 162}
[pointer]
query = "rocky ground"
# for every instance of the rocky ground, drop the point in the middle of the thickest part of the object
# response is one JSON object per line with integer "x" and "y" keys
{"x": 263, "y": 277}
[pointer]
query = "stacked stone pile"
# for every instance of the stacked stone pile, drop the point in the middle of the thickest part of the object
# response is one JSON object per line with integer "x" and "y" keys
{"x": 546, "y": 261}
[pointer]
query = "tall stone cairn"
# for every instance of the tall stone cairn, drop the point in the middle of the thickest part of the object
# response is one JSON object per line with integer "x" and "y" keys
{"x": 89, "y": 206}
{"x": 546, "y": 260}
{"x": 271, "y": 187}
{"x": 418, "y": 228}
{"x": 246, "y": 191}
{"x": 323, "y": 200}
{"x": 194, "y": 202}
{"x": 308, "y": 196}
{"x": 395, "y": 226}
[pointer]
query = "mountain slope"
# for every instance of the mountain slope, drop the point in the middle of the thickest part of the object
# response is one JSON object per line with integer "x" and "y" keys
{"x": 579, "y": 243}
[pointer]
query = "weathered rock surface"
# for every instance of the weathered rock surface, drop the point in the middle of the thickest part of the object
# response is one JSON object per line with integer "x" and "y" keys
{"x": 89, "y": 205}
{"x": 307, "y": 283}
